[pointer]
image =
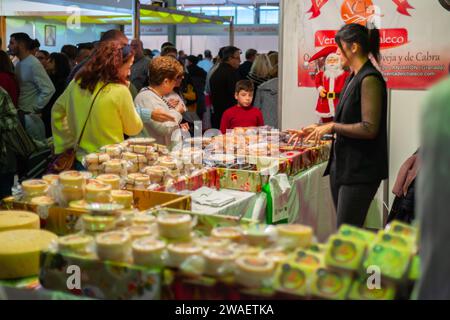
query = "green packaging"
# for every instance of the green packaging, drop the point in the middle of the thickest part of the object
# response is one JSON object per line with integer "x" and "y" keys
{"x": 330, "y": 284}
{"x": 293, "y": 279}
{"x": 317, "y": 248}
{"x": 414, "y": 270}
{"x": 360, "y": 290}
{"x": 308, "y": 259}
{"x": 396, "y": 240}
{"x": 356, "y": 233}
{"x": 402, "y": 229}
{"x": 344, "y": 253}
{"x": 393, "y": 261}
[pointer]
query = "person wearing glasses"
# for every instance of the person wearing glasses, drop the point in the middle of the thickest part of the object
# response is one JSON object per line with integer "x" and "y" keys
{"x": 223, "y": 83}
{"x": 164, "y": 75}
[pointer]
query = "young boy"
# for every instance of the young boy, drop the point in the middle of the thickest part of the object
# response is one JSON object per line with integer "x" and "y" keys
{"x": 243, "y": 114}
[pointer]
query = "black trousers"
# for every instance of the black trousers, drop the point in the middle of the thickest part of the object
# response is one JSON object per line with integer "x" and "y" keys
{"x": 352, "y": 202}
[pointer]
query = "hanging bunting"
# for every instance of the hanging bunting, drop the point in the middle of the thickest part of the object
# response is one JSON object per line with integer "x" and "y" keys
{"x": 403, "y": 6}
{"x": 316, "y": 5}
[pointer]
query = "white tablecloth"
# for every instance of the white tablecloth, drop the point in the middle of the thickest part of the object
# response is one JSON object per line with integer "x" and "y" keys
{"x": 247, "y": 204}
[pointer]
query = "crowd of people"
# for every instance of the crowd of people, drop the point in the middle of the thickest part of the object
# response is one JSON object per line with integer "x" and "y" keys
{"x": 99, "y": 93}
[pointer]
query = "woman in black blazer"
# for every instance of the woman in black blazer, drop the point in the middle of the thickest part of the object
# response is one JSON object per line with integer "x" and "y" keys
{"x": 359, "y": 157}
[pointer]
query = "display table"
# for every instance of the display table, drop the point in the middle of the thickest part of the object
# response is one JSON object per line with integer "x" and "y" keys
{"x": 247, "y": 204}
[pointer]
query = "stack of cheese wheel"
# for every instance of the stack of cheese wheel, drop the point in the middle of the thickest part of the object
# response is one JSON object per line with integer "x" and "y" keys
{"x": 98, "y": 192}
{"x": 116, "y": 166}
{"x": 294, "y": 235}
{"x": 113, "y": 150}
{"x": 123, "y": 197}
{"x": 112, "y": 179}
{"x": 114, "y": 245}
{"x": 95, "y": 162}
{"x": 72, "y": 185}
{"x": 138, "y": 161}
{"x": 179, "y": 252}
{"x": 20, "y": 250}
{"x": 12, "y": 220}
{"x": 174, "y": 226}
{"x": 156, "y": 173}
{"x": 168, "y": 162}
{"x": 217, "y": 260}
{"x": 34, "y": 188}
{"x": 148, "y": 252}
{"x": 138, "y": 181}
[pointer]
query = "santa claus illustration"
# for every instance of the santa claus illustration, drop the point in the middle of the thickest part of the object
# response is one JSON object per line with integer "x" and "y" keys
{"x": 329, "y": 83}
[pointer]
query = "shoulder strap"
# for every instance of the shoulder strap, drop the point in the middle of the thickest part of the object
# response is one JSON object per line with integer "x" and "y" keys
{"x": 89, "y": 114}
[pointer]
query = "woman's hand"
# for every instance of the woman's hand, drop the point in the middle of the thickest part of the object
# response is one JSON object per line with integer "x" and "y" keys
{"x": 184, "y": 126}
{"x": 298, "y": 134}
{"x": 318, "y": 132}
{"x": 160, "y": 115}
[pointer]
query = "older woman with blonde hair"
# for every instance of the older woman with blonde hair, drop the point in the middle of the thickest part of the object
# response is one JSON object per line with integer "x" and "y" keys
{"x": 260, "y": 71}
{"x": 165, "y": 73}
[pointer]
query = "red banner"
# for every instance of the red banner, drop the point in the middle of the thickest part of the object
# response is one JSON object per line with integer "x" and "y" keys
{"x": 389, "y": 38}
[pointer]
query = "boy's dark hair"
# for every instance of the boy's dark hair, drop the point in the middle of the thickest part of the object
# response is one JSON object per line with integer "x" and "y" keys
{"x": 168, "y": 50}
{"x": 244, "y": 85}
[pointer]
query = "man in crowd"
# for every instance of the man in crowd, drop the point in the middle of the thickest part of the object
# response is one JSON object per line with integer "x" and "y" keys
{"x": 71, "y": 52}
{"x": 244, "y": 69}
{"x": 206, "y": 64}
{"x": 139, "y": 69}
{"x": 84, "y": 50}
{"x": 34, "y": 47}
{"x": 223, "y": 83}
{"x": 198, "y": 78}
{"x": 36, "y": 88}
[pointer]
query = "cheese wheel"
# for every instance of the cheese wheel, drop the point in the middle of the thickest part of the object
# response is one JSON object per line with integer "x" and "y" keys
{"x": 75, "y": 243}
{"x": 98, "y": 223}
{"x": 231, "y": 233}
{"x": 211, "y": 242}
{"x": 138, "y": 180}
{"x": 174, "y": 226}
{"x": 140, "y": 218}
{"x": 276, "y": 255}
{"x": 137, "y": 232}
{"x": 78, "y": 204}
{"x": 244, "y": 249}
{"x": 72, "y": 179}
{"x": 253, "y": 271}
{"x": 148, "y": 252}
{"x": 51, "y": 178}
{"x": 112, "y": 150}
{"x": 115, "y": 166}
{"x": 141, "y": 141}
{"x": 216, "y": 258}
{"x": 112, "y": 179}
{"x": 295, "y": 235}
{"x": 98, "y": 192}
{"x": 12, "y": 220}
{"x": 123, "y": 197}
{"x": 113, "y": 245}
{"x": 141, "y": 149}
{"x": 43, "y": 201}
{"x": 20, "y": 250}
{"x": 34, "y": 187}
{"x": 179, "y": 252}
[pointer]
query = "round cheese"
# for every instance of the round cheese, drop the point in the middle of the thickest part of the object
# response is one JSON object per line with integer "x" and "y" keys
{"x": 12, "y": 220}
{"x": 51, "y": 178}
{"x": 174, "y": 226}
{"x": 43, "y": 201}
{"x": 140, "y": 218}
{"x": 112, "y": 179}
{"x": 123, "y": 197}
{"x": 231, "y": 233}
{"x": 78, "y": 204}
{"x": 20, "y": 250}
{"x": 295, "y": 235}
{"x": 96, "y": 158}
{"x": 76, "y": 243}
{"x": 113, "y": 245}
{"x": 34, "y": 187}
{"x": 72, "y": 179}
{"x": 139, "y": 231}
{"x": 148, "y": 252}
{"x": 253, "y": 271}
{"x": 98, "y": 192}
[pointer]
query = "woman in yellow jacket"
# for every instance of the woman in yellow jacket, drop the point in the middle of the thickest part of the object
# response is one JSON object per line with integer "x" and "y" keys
{"x": 113, "y": 113}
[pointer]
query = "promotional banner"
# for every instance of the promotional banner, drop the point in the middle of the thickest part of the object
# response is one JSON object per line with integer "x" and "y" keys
{"x": 415, "y": 41}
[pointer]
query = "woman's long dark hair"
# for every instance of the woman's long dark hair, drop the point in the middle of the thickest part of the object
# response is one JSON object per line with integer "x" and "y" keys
{"x": 368, "y": 39}
{"x": 62, "y": 66}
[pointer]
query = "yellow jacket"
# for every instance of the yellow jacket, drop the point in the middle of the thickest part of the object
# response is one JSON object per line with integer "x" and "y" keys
{"x": 112, "y": 116}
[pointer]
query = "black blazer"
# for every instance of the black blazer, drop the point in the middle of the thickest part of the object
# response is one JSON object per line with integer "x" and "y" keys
{"x": 359, "y": 161}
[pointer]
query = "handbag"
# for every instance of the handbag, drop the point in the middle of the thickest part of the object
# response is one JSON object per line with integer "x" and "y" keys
{"x": 66, "y": 160}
